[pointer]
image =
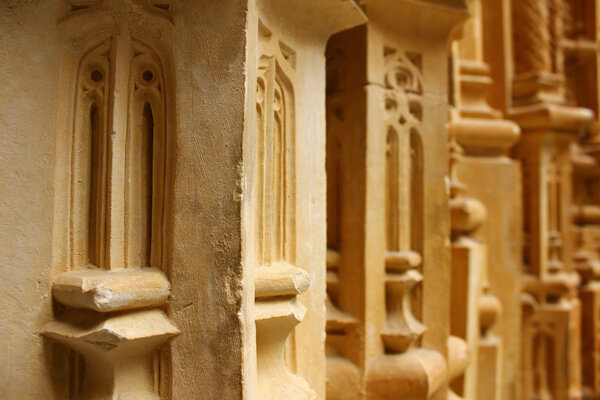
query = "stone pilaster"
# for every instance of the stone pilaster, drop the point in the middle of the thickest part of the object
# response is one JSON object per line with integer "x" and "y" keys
{"x": 551, "y": 313}
{"x": 481, "y": 139}
{"x": 388, "y": 208}
{"x": 284, "y": 192}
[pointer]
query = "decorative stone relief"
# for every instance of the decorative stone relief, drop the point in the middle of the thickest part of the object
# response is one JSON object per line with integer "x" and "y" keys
{"x": 580, "y": 43}
{"x": 382, "y": 173}
{"x": 145, "y": 160}
{"x": 144, "y": 175}
{"x": 403, "y": 204}
{"x": 116, "y": 288}
{"x": 278, "y": 280}
{"x": 586, "y": 255}
{"x": 539, "y": 58}
{"x": 551, "y": 308}
{"x": 403, "y": 191}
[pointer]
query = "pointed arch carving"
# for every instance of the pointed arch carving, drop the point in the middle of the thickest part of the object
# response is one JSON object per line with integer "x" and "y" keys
{"x": 403, "y": 194}
{"x": 113, "y": 169}
{"x": 146, "y": 156}
{"x": 278, "y": 310}
{"x": 276, "y": 151}
{"x": 90, "y": 157}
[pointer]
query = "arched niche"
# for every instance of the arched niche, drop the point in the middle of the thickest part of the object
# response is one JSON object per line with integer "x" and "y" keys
{"x": 118, "y": 158}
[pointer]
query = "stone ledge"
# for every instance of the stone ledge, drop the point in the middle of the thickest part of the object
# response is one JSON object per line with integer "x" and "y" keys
{"x": 95, "y": 331}
{"x": 281, "y": 279}
{"x": 112, "y": 290}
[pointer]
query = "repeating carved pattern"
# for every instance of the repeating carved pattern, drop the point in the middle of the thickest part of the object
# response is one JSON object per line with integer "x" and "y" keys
{"x": 145, "y": 151}
{"x": 548, "y": 354}
{"x": 407, "y": 360}
{"x": 275, "y": 129}
{"x": 532, "y": 39}
{"x": 538, "y": 35}
{"x": 278, "y": 281}
{"x": 404, "y": 81}
{"x": 403, "y": 116}
{"x": 90, "y": 159}
{"x": 117, "y": 175}
{"x": 580, "y": 46}
{"x": 146, "y": 159}
{"x": 551, "y": 309}
{"x": 585, "y": 235}
{"x": 558, "y": 12}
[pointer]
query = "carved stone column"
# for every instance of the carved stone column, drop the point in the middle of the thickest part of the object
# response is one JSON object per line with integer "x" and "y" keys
{"x": 189, "y": 192}
{"x": 284, "y": 192}
{"x": 468, "y": 265}
{"x": 389, "y": 265}
{"x": 586, "y": 237}
{"x": 581, "y": 43}
{"x": 114, "y": 152}
{"x": 551, "y": 314}
{"x": 485, "y": 213}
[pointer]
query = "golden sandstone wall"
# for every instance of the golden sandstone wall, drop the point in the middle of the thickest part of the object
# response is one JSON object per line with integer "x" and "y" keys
{"x": 300, "y": 199}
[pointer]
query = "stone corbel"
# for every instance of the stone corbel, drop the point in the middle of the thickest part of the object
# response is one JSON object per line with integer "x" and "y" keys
{"x": 489, "y": 137}
{"x": 554, "y": 117}
{"x": 115, "y": 321}
{"x": 277, "y": 312}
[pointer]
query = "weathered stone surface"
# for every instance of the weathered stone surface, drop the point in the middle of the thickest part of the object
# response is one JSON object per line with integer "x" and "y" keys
{"x": 113, "y": 290}
{"x": 300, "y": 199}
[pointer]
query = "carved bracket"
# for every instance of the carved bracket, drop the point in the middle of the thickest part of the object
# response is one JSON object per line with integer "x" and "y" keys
{"x": 118, "y": 347}
{"x": 278, "y": 311}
